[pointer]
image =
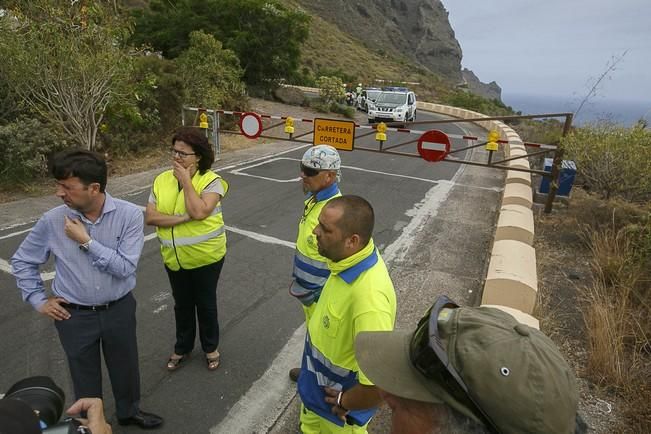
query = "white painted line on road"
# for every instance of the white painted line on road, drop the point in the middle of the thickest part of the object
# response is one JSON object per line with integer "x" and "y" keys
{"x": 360, "y": 169}
{"x": 220, "y": 169}
{"x": 6, "y": 267}
{"x": 260, "y": 237}
{"x": 161, "y": 296}
{"x": 13, "y": 234}
{"x": 268, "y": 396}
{"x": 160, "y": 309}
{"x": 254, "y": 235}
{"x": 253, "y": 160}
{"x": 239, "y": 171}
{"x": 478, "y": 187}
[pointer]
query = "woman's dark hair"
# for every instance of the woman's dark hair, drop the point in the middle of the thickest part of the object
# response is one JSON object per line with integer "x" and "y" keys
{"x": 196, "y": 138}
{"x": 88, "y": 166}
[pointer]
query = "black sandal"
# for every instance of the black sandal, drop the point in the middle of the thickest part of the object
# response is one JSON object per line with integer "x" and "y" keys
{"x": 174, "y": 363}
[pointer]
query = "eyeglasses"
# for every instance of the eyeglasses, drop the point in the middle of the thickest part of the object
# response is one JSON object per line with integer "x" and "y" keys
{"x": 181, "y": 154}
{"x": 308, "y": 171}
{"x": 430, "y": 358}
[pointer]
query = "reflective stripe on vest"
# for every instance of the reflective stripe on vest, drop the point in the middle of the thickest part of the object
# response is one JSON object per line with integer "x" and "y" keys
{"x": 310, "y": 274}
{"x": 310, "y": 271}
{"x": 188, "y": 241}
{"x": 327, "y": 374}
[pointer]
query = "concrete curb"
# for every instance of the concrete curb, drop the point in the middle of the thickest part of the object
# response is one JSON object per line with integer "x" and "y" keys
{"x": 511, "y": 283}
{"x": 515, "y": 223}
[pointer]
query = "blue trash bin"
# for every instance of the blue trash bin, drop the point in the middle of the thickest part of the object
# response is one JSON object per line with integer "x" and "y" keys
{"x": 566, "y": 178}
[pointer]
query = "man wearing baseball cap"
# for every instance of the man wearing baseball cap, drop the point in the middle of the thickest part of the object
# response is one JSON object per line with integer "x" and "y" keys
{"x": 471, "y": 369}
{"x": 320, "y": 172}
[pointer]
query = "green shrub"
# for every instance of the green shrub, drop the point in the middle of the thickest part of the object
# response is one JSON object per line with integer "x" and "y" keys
{"x": 211, "y": 74}
{"x": 331, "y": 89}
{"x": 26, "y": 144}
{"x": 150, "y": 107}
{"x": 612, "y": 160}
{"x": 343, "y": 109}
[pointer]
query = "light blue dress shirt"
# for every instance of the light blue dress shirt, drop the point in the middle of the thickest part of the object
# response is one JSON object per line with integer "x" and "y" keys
{"x": 105, "y": 273}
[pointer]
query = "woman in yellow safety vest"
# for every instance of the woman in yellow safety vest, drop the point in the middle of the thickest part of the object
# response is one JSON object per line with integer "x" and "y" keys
{"x": 185, "y": 207}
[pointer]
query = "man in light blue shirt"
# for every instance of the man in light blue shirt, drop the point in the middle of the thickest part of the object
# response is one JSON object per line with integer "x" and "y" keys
{"x": 96, "y": 241}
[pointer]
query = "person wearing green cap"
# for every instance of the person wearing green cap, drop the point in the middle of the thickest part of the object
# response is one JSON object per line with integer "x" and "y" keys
{"x": 471, "y": 370}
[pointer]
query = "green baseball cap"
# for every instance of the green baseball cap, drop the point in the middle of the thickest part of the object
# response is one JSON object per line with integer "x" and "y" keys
{"x": 512, "y": 376}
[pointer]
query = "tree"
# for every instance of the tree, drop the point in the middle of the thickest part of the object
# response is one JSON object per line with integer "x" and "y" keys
{"x": 166, "y": 25}
{"x": 610, "y": 67}
{"x": 612, "y": 160}
{"x": 65, "y": 60}
{"x": 211, "y": 75}
{"x": 265, "y": 35}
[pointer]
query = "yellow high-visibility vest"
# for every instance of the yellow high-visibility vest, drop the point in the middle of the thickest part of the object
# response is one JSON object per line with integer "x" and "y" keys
{"x": 198, "y": 242}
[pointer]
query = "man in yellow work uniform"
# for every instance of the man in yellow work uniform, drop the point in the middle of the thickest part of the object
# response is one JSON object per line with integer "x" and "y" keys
{"x": 357, "y": 297}
{"x": 320, "y": 171}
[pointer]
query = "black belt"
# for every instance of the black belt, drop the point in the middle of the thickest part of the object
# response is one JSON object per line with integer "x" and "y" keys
{"x": 95, "y": 308}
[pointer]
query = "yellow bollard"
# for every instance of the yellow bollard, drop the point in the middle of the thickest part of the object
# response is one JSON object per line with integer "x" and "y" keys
{"x": 203, "y": 120}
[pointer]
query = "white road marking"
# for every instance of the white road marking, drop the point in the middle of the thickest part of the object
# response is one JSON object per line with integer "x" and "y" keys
{"x": 13, "y": 234}
{"x": 269, "y": 396}
{"x": 6, "y": 267}
{"x": 260, "y": 237}
{"x": 160, "y": 309}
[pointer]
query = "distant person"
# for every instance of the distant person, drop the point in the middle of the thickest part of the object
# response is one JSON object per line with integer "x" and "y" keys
{"x": 471, "y": 370}
{"x": 96, "y": 241}
{"x": 358, "y": 296}
{"x": 185, "y": 207}
{"x": 320, "y": 171}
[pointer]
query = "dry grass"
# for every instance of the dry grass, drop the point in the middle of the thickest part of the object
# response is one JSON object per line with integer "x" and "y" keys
{"x": 617, "y": 312}
{"x": 594, "y": 260}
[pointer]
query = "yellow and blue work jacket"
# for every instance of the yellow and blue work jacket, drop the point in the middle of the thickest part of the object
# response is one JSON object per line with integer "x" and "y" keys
{"x": 358, "y": 297}
{"x": 196, "y": 243}
{"x": 310, "y": 269}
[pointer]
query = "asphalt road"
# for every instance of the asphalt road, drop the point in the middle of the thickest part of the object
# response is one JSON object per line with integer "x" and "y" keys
{"x": 257, "y": 316}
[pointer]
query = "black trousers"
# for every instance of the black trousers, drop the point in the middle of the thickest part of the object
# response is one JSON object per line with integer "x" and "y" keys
{"x": 114, "y": 332}
{"x": 195, "y": 300}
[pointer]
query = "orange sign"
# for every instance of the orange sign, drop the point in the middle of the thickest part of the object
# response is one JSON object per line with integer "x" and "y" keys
{"x": 338, "y": 134}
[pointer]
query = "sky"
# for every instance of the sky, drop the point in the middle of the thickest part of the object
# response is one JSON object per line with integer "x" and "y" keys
{"x": 557, "y": 48}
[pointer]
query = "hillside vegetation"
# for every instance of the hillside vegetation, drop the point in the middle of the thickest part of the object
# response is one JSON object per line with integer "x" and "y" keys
{"x": 114, "y": 76}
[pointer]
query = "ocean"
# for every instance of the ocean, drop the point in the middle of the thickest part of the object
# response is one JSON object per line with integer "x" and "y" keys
{"x": 596, "y": 109}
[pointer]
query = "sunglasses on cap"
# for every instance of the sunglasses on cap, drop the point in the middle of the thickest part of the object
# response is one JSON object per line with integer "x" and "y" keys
{"x": 308, "y": 171}
{"x": 430, "y": 358}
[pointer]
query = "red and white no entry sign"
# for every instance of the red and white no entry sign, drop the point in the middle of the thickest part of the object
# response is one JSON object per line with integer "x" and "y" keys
{"x": 251, "y": 125}
{"x": 433, "y": 145}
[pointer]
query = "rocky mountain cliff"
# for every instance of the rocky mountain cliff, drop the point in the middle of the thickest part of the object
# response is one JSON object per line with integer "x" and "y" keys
{"x": 488, "y": 90}
{"x": 418, "y": 30}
